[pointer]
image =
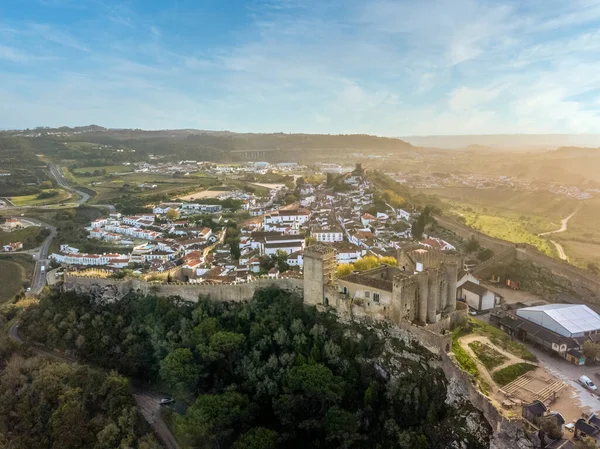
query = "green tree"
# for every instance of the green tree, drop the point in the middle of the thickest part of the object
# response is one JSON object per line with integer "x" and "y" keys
{"x": 418, "y": 227}
{"x": 257, "y": 438}
{"x": 472, "y": 245}
{"x": 342, "y": 427}
{"x": 214, "y": 418}
{"x": 591, "y": 350}
{"x": 179, "y": 370}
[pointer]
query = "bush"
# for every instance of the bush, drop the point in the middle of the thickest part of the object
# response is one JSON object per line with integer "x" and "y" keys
{"x": 512, "y": 372}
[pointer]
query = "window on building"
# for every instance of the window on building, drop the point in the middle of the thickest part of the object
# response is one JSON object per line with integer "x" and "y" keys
{"x": 367, "y": 295}
{"x": 375, "y": 297}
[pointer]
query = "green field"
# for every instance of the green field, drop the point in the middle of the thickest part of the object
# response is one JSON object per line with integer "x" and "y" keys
{"x": 510, "y": 214}
{"x": 110, "y": 187}
{"x": 32, "y": 200}
{"x": 28, "y": 236}
{"x": 512, "y": 372}
{"x": 14, "y": 270}
{"x": 12, "y": 276}
{"x": 108, "y": 168}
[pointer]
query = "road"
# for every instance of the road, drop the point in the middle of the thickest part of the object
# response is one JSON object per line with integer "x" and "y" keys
{"x": 147, "y": 401}
{"x": 41, "y": 259}
{"x": 61, "y": 181}
{"x": 563, "y": 227}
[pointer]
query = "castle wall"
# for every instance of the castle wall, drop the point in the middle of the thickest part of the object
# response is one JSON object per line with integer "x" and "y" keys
{"x": 583, "y": 283}
{"x": 423, "y": 280}
{"x": 189, "y": 292}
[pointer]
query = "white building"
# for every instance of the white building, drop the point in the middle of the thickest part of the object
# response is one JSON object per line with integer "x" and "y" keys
{"x": 206, "y": 208}
{"x": 569, "y": 320}
{"x": 477, "y": 296}
{"x": 328, "y": 236}
{"x": 284, "y": 219}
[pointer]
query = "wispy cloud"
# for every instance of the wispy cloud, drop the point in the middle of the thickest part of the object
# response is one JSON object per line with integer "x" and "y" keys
{"x": 384, "y": 66}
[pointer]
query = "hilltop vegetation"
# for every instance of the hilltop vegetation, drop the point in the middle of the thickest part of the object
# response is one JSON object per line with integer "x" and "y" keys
{"x": 80, "y": 144}
{"x": 270, "y": 373}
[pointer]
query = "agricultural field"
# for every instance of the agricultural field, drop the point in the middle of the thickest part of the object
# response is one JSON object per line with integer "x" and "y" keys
{"x": 581, "y": 240}
{"x": 108, "y": 187}
{"x": 40, "y": 199}
{"x": 109, "y": 169}
{"x": 510, "y": 214}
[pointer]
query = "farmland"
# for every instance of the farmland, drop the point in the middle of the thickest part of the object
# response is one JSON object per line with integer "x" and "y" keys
{"x": 48, "y": 196}
{"x": 113, "y": 181}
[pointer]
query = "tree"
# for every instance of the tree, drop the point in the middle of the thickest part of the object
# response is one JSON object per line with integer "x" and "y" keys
{"x": 172, "y": 214}
{"x": 591, "y": 350}
{"x": 310, "y": 241}
{"x": 472, "y": 245}
{"x": 586, "y": 443}
{"x": 485, "y": 254}
{"x": 290, "y": 198}
{"x": 179, "y": 370}
{"x": 342, "y": 427}
{"x": 344, "y": 269}
{"x": 418, "y": 227}
{"x": 551, "y": 428}
{"x": 280, "y": 260}
{"x": 257, "y": 438}
{"x": 211, "y": 421}
{"x": 592, "y": 267}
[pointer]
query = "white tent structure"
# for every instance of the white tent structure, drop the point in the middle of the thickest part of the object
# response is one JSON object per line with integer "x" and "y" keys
{"x": 569, "y": 320}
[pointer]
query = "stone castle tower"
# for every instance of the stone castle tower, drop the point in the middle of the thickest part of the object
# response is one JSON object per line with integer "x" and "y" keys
{"x": 421, "y": 289}
{"x": 319, "y": 273}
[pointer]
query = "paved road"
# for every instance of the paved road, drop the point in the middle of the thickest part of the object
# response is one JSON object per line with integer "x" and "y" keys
{"x": 60, "y": 179}
{"x": 147, "y": 401}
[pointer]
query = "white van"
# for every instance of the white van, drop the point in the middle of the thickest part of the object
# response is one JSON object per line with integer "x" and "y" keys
{"x": 587, "y": 383}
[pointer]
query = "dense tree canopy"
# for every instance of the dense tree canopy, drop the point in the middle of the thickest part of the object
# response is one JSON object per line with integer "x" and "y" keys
{"x": 45, "y": 404}
{"x": 270, "y": 373}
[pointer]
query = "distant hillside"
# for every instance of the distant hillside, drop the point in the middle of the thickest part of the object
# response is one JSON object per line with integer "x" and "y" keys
{"x": 217, "y": 145}
{"x": 525, "y": 142}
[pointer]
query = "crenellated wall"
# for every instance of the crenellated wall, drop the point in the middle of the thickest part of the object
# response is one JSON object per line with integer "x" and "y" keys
{"x": 189, "y": 292}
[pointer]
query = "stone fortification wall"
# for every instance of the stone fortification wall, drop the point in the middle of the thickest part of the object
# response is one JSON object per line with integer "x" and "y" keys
{"x": 464, "y": 231}
{"x": 115, "y": 289}
{"x": 581, "y": 282}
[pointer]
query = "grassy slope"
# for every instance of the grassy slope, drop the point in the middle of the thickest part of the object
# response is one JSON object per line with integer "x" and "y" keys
{"x": 509, "y": 214}
{"x": 12, "y": 276}
{"x": 31, "y": 200}
{"x": 19, "y": 235}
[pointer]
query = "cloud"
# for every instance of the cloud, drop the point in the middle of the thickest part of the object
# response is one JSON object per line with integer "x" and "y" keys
{"x": 386, "y": 67}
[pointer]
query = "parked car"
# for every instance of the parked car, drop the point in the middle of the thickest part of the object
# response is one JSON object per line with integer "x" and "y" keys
{"x": 587, "y": 383}
{"x": 166, "y": 401}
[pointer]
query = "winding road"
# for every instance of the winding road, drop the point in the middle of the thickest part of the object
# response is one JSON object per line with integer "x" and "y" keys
{"x": 563, "y": 227}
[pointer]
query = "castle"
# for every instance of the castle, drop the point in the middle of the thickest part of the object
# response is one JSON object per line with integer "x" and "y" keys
{"x": 421, "y": 289}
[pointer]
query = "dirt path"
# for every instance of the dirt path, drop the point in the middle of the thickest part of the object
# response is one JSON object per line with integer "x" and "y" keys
{"x": 563, "y": 227}
{"x": 563, "y": 224}
{"x": 464, "y": 342}
{"x": 511, "y": 358}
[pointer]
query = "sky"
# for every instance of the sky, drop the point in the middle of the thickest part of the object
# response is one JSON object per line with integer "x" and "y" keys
{"x": 385, "y": 67}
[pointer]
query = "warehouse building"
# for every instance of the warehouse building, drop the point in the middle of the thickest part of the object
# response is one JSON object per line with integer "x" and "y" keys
{"x": 568, "y": 320}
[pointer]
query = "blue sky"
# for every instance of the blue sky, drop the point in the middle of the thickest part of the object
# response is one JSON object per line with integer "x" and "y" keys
{"x": 387, "y": 67}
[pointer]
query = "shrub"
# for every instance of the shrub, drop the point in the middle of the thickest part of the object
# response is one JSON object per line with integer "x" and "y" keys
{"x": 510, "y": 373}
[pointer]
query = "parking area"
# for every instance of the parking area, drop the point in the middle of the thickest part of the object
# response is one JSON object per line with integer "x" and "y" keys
{"x": 578, "y": 399}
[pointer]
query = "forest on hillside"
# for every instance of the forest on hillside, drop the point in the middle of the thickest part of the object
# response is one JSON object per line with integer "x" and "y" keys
{"x": 269, "y": 373}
